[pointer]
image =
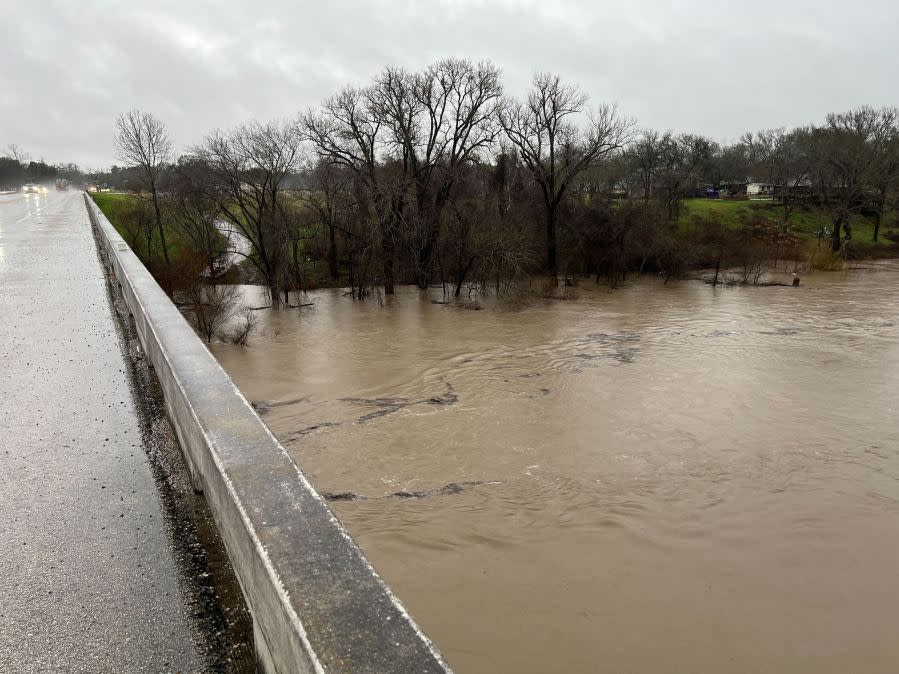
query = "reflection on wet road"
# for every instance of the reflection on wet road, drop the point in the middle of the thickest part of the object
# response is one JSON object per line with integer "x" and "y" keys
{"x": 656, "y": 479}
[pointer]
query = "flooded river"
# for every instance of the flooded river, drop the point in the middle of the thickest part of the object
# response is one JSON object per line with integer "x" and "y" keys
{"x": 655, "y": 479}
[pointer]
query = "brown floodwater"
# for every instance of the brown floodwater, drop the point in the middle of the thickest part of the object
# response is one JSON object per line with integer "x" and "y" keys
{"x": 655, "y": 479}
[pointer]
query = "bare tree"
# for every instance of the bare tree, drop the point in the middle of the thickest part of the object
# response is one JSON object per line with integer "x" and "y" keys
{"x": 483, "y": 242}
{"x": 244, "y": 328}
{"x": 249, "y": 166}
{"x": 726, "y": 164}
{"x": 886, "y": 162}
{"x": 194, "y": 213}
{"x": 844, "y": 155}
{"x": 438, "y": 120}
{"x": 361, "y": 241}
{"x": 348, "y": 132}
{"x": 645, "y": 156}
{"x": 781, "y": 158}
{"x": 509, "y": 246}
{"x": 211, "y": 307}
{"x": 142, "y": 141}
{"x": 328, "y": 196}
{"x": 14, "y": 151}
{"x": 554, "y": 148}
{"x": 681, "y": 158}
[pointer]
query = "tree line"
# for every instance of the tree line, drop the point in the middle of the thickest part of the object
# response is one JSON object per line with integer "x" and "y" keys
{"x": 438, "y": 176}
{"x": 17, "y": 168}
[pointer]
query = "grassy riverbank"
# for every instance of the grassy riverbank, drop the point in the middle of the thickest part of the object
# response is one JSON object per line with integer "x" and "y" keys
{"x": 131, "y": 214}
{"x": 805, "y": 222}
{"x": 114, "y": 205}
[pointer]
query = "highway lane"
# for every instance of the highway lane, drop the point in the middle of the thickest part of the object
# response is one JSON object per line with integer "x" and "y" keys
{"x": 87, "y": 578}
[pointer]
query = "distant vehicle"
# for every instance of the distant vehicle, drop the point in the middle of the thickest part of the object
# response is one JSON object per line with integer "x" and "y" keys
{"x": 30, "y": 188}
{"x": 62, "y": 184}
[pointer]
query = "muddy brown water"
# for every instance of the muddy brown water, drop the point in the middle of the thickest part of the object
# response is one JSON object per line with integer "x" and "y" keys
{"x": 656, "y": 479}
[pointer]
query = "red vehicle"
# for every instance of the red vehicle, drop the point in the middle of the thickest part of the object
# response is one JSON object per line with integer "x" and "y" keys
{"x": 62, "y": 185}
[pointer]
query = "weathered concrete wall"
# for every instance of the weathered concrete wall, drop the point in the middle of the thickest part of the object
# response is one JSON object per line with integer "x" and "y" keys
{"x": 317, "y": 604}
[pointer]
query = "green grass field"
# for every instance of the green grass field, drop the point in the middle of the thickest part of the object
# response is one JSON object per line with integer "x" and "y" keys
{"x": 120, "y": 209}
{"x": 114, "y": 205}
{"x": 804, "y": 222}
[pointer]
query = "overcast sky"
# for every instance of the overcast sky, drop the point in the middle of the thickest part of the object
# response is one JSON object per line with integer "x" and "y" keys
{"x": 68, "y": 68}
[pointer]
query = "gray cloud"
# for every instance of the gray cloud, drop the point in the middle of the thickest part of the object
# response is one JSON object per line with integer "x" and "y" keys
{"x": 70, "y": 68}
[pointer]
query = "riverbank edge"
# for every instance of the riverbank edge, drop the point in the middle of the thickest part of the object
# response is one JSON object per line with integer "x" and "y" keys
{"x": 317, "y": 603}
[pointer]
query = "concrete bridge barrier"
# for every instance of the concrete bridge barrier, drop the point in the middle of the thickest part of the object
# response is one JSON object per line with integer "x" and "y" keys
{"x": 317, "y": 603}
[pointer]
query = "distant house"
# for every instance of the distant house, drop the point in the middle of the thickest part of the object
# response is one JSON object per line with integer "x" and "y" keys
{"x": 732, "y": 190}
{"x": 760, "y": 190}
{"x": 618, "y": 190}
{"x": 798, "y": 187}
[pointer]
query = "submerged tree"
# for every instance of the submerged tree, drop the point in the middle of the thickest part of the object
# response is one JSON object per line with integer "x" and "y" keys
{"x": 437, "y": 121}
{"x": 248, "y": 166}
{"x": 347, "y": 132}
{"x": 555, "y": 148}
{"x": 328, "y": 194}
{"x": 482, "y": 240}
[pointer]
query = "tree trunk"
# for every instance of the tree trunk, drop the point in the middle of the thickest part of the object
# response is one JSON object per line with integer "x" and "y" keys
{"x": 877, "y": 223}
{"x": 148, "y": 235}
{"x": 390, "y": 215}
{"x": 460, "y": 277}
{"x": 351, "y": 273}
{"x": 442, "y": 275}
{"x": 274, "y": 293}
{"x": 388, "y": 270}
{"x": 835, "y": 241}
{"x": 332, "y": 252}
{"x": 552, "y": 263}
{"x": 426, "y": 254}
{"x": 165, "y": 250}
{"x": 424, "y": 275}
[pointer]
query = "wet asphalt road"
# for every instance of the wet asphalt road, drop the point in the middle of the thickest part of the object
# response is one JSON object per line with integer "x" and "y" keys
{"x": 87, "y": 578}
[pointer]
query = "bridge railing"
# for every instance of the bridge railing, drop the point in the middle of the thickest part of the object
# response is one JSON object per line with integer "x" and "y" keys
{"x": 317, "y": 603}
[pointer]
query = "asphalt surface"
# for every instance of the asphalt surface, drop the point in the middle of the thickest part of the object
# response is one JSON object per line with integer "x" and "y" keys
{"x": 88, "y": 581}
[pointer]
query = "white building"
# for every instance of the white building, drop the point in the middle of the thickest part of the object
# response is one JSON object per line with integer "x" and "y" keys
{"x": 759, "y": 190}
